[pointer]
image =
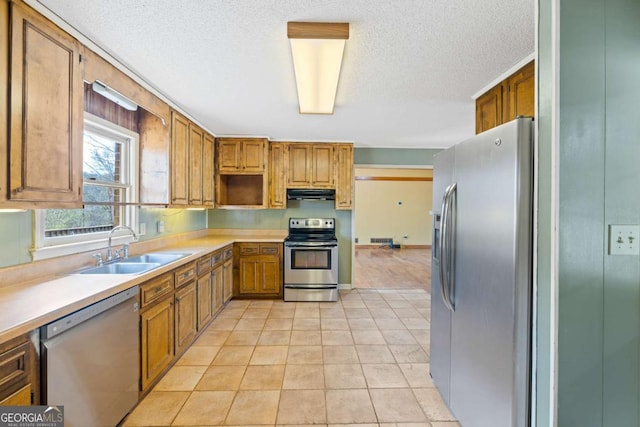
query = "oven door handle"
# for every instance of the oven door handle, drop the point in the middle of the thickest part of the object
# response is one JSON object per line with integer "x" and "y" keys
{"x": 311, "y": 245}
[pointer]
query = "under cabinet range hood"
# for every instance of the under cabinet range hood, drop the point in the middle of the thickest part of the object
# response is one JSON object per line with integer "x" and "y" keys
{"x": 310, "y": 194}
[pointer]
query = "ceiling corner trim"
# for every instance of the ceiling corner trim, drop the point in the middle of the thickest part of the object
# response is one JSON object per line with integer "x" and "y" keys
{"x": 524, "y": 61}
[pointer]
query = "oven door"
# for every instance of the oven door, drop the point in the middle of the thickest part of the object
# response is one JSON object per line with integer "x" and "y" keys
{"x": 311, "y": 263}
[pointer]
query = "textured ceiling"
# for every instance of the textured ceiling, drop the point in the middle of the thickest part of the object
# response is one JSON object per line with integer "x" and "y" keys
{"x": 409, "y": 70}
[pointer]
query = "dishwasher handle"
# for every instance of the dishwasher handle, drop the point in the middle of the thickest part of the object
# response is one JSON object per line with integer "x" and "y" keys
{"x": 74, "y": 319}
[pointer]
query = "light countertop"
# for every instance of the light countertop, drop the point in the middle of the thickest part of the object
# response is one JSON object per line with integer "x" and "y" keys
{"x": 25, "y": 306}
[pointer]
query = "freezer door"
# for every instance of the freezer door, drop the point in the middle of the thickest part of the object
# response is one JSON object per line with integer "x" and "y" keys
{"x": 490, "y": 328}
{"x": 440, "y": 345}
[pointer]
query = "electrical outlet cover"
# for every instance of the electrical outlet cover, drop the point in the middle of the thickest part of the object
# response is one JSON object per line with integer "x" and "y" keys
{"x": 623, "y": 239}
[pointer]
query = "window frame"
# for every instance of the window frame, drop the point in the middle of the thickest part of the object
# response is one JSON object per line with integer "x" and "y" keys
{"x": 50, "y": 247}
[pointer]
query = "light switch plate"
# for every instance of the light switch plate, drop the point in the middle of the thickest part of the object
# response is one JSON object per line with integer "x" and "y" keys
{"x": 160, "y": 226}
{"x": 623, "y": 239}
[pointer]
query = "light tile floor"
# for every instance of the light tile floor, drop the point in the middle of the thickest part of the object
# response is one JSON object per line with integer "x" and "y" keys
{"x": 362, "y": 361}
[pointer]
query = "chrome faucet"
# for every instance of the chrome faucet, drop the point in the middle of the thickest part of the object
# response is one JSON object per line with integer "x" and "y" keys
{"x": 126, "y": 245}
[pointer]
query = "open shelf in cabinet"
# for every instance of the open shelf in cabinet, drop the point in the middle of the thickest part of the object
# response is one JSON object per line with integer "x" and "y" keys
{"x": 241, "y": 190}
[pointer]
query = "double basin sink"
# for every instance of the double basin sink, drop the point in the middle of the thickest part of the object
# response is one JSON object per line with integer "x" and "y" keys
{"x": 134, "y": 265}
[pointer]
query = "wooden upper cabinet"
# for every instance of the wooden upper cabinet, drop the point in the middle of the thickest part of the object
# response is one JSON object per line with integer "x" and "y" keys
{"x": 242, "y": 155}
{"x": 191, "y": 164}
{"x": 196, "y": 154}
{"x": 489, "y": 109}
{"x": 311, "y": 166}
{"x": 299, "y": 173}
{"x": 179, "y": 159}
{"x": 344, "y": 176}
{"x": 513, "y": 97}
{"x": 46, "y": 122}
{"x": 229, "y": 156}
{"x": 253, "y": 155}
{"x": 323, "y": 173}
{"x": 208, "y": 193}
{"x": 277, "y": 176}
{"x": 521, "y": 88}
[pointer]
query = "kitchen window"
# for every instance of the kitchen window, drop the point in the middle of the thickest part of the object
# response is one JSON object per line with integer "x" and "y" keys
{"x": 110, "y": 182}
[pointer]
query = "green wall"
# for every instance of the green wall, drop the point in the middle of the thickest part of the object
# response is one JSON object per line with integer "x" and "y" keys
{"x": 544, "y": 351}
{"x": 279, "y": 219}
{"x": 394, "y": 156}
{"x": 599, "y": 184}
{"x": 16, "y": 229}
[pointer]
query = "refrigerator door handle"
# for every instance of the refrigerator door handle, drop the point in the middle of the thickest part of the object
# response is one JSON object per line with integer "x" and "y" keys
{"x": 451, "y": 245}
{"x": 444, "y": 247}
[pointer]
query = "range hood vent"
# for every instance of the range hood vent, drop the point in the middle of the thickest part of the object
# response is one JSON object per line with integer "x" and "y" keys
{"x": 310, "y": 194}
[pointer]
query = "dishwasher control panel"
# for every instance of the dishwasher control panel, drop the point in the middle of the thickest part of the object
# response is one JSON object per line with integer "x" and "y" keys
{"x": 65, "y": 323}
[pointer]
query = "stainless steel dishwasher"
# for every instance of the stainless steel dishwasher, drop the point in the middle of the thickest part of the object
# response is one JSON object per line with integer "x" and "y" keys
{"x": 90, "y": 361}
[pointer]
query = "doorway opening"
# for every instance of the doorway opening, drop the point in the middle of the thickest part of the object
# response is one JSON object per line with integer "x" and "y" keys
{"x": 392, "y": 225}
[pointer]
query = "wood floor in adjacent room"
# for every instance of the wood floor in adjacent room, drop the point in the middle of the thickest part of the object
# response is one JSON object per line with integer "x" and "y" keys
{"x": 385, "y": 268}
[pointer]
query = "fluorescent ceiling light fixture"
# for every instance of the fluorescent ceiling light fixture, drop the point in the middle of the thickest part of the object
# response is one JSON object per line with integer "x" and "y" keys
{"x": 114, "y": 96}
{"x": 317, "y": 50}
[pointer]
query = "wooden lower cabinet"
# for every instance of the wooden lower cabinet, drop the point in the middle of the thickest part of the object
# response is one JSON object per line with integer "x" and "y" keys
{"x": 176, "y": 306}
{"x": 186, "y": 302}
{"x": 156, "y": 340}
{"x": 258, "y": 270}
{"x": 217, "y": 287}
{"x": 227, "y": 277}
{"x": 19, "y": 372}
{"x": 205, "y": 300}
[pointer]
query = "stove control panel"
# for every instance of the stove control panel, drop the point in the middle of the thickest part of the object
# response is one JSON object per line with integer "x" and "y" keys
{"x": 318, "y": 223}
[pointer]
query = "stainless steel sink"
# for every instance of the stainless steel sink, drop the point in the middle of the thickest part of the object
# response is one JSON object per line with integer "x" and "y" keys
{"x": 159, "y": 258}
{"x": 135, "y": 265}
{"x": 121, "y": 268}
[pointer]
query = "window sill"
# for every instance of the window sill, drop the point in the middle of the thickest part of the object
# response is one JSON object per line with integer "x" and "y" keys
{"x": 47, "y": 252}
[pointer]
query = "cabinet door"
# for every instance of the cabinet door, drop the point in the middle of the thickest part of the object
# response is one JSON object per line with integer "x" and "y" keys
{"x": 299, "y": 174}
{"x": 46, "y": 122}
{"x": 521, "y": 90}
{"x": 344, "y": 176}
{"x": 18, "y": 370}
{"x": 205, "y": 301}
{"x": 208, "y": 193}
{"x": 489, "y": 109}
{"x": 156, "y": 340}
{"x": 277, "y": 176}
{"x": 229, "y": 156}
{"x": 21, "y": 397}
{"x": 253, "y": 155}
{"x": 196, "y": 154}
{"x": 217, "y": 294}
{"x": 249, "y": 274}
{"x": 228, "y": 281}
{"x": 186, "y": 318}
{"x": 270, "y": 277}
{"x": 179, "y": 159}
{"x": 322, "y": 171}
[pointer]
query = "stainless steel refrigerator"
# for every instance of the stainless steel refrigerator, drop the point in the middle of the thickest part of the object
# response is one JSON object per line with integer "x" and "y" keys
{"x": 482, "y": 278}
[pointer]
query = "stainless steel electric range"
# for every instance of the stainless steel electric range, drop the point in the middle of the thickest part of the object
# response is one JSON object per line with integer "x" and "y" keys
{"x": 311, "y": 260}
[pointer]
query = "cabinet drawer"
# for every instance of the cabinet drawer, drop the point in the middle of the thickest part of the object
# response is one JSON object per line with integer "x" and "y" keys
{"x": 270, "y": 249}
{"x": 218, "y": 257}
{"x": 204, "y": 265}
{"x": 155, "y": 289}
{"x": 228, "y": 252}
{"x": 21, "y": 397}
{"x": 185, "y": 274}
{"x": 249, "y": 249}
{"x": 14, "y": 366}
